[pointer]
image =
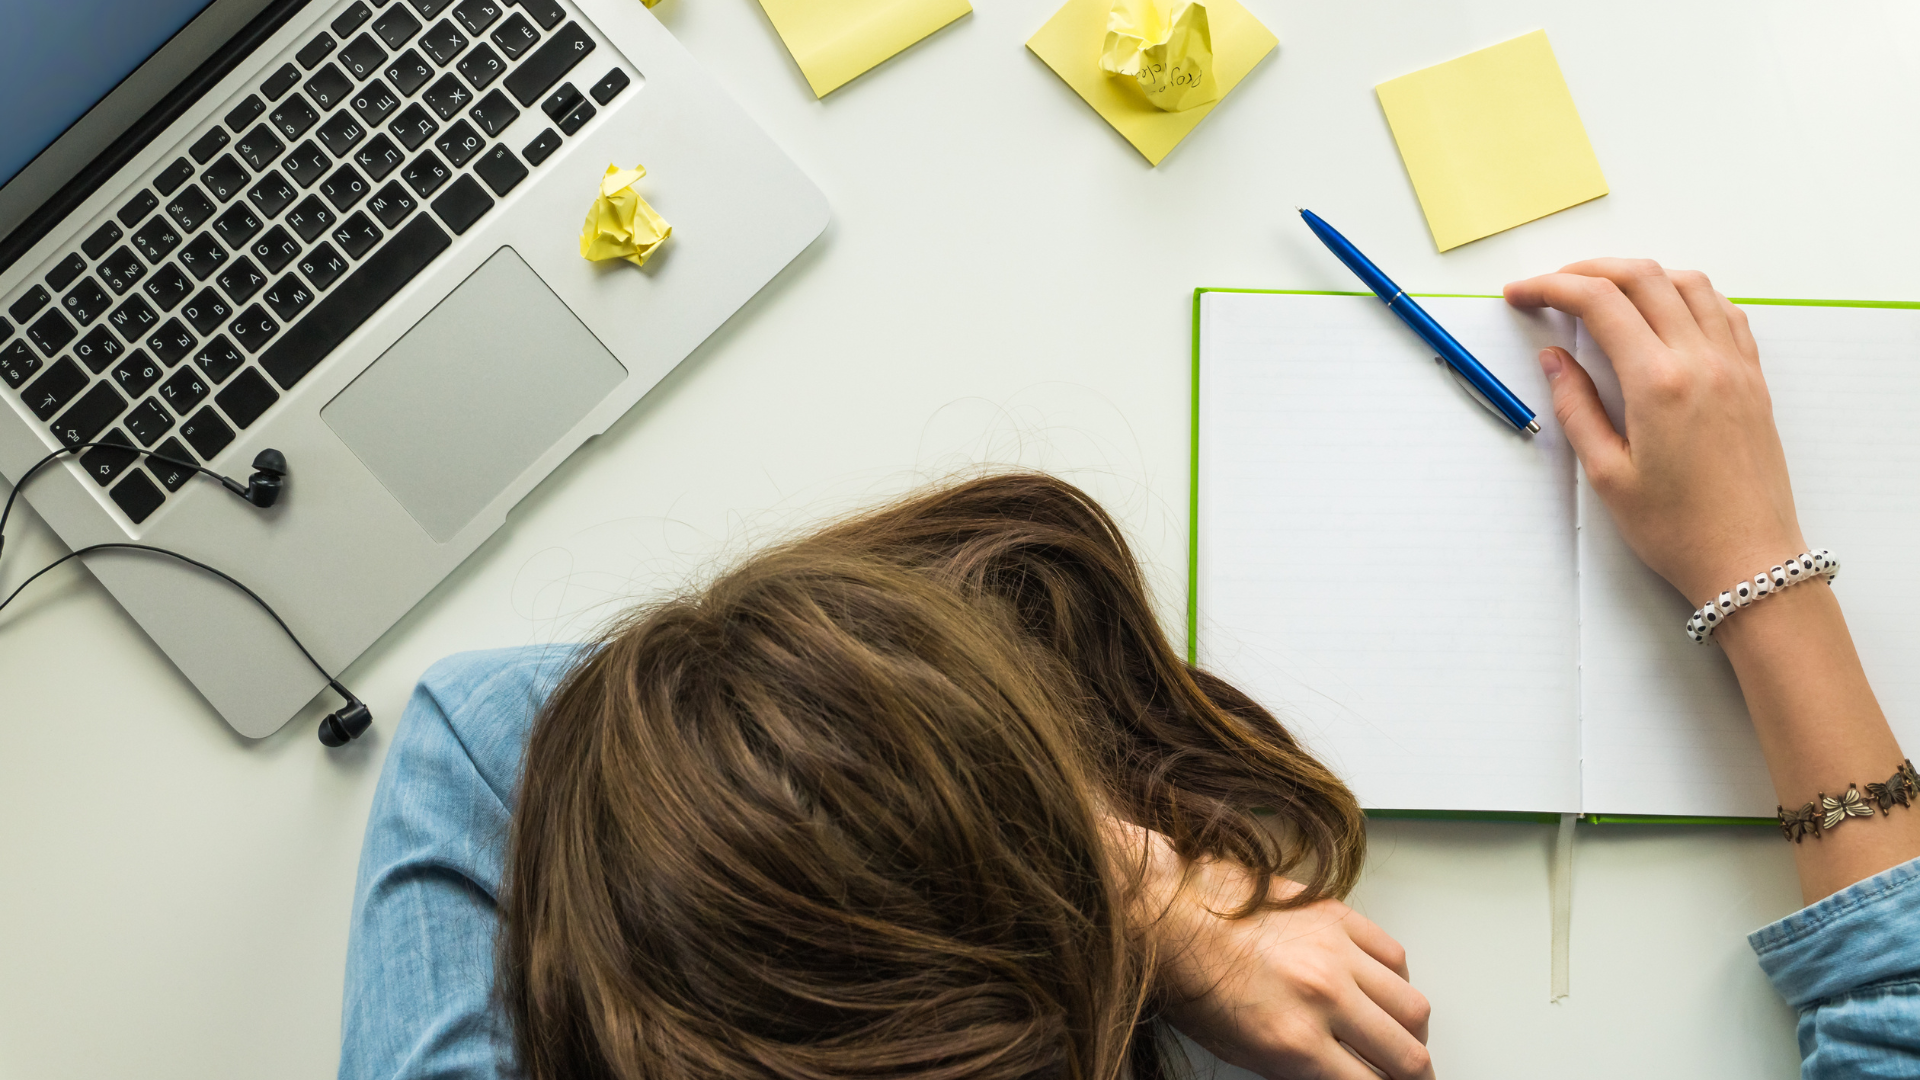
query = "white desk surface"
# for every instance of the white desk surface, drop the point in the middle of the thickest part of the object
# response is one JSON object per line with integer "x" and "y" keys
{"x": 1005, "y": 281}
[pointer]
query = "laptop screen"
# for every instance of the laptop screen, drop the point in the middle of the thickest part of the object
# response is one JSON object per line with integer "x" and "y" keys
{"x": 57, "y": 60}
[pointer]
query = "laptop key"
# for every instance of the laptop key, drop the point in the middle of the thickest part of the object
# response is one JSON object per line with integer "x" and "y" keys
{"x": 225, "y": 178}
{"x": 547, "y": 64}
{"x": 388, "y": 270}
{"x": 51, "y": 332}
{"x": 375, "y": 103}
{"x": 462, "y": 204}
{"x": 246, "y": 398}
{"x": 90, "y": 415}
{"x": 133, "y": 318}
{"x": 425, "y": 174}
{"x": 182, "y": 392}
{"x": 460, "y": 143}
{"x": 379, "y": 157}
{"x": 396, "y": 27}
{"x": 272, "y": 195}
{"x": 477, "y": 15}
{"x": 413, "y": 127}
{"x": 292, "y": 119}
{"x": 98, "y": 349}
{"x": 245, "y": 113}
{"x": 608, "y": 88}
{"x": 578, "y": 118}
{"x": 253, "y": 329}
{"x": 447, "y": 97}
{"x": 442, "y": 43}
{"x": 542, "y": 147}
{"x": 206, "y": 433}
{"x": 329, "y": 87}
{"x": 310, "y": 219}
{"x": 122, "y": 270}
{"x": 31, "y": 301}
{"x": 322, "y": 265}
{"x": 55, "y": 387}
{"x": 351, "y": 19}
{"x": 171, "y": 343}
{"x": 547, "y": 12}
{"x": 208, "y": 145}
{"x": 87, "y": 302}
{"x": 344, "y": 188}
{"x": 237, "y": 225}
{"x": 341, "y": 133}
{"x": 168, "y": 287}
{"x": 156, "y": 239}
{"x": 313, "y": 52}
{"x": 66, "y": 271}
{"x": 362, "y": 57}
{"x": 137, "y": 496}
{"x": 18, "y": 363}
{"x": 500, "y": 169}
{"x": 561, "y": 102}
{"x": 280, "y": 82}
{"x": 275, "y": 250}
{"x": 104, "y": 463}
{"x": 136, "y": 373}
{"x": 288, "y": 297}
{"x": 357, "y": 235}
{"x": 170, "y": 474}
{"x": 190, "y": 208}
{"x": 241, "y": 280}
{"x": 137, "y": 208}
{"x": 408, "y": 73}
{"x": 515, "y": 36}
{"x": 429, "y": 8}
{"x": 259, "y": 147}
{"x": 206, "y": 311}
{"x": 148, "y": 421}
{"x": 101, "y": 241}
{"x": 493, "y": 113}
{"x": 481, "y": 66}
{"x": 391, "y": 204}
{"x": 173, "y": 176}
{"x": 201, "y": 257}
{"x": 307, "y": 164}
{"x": 218, "y": 360}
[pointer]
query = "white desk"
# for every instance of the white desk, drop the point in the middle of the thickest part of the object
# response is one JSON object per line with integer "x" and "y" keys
{"x": 1005, "y": 281}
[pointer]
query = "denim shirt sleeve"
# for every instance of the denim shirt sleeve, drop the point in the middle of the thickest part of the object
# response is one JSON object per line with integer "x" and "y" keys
{"x": 419, "y": 982}
{"x": 1850, "y": 965}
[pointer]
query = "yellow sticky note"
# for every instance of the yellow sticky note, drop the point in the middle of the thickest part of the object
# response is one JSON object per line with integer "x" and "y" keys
{"x": 835, "y": 41}
{"x": 1071, "y": 44}
{"x": 620, "y": 224}
{"x": 1491, "y": 140}
{"x": 1166, "y": 51}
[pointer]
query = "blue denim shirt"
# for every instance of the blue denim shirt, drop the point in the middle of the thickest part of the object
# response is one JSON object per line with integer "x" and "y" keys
{"x": 420, "y": 958}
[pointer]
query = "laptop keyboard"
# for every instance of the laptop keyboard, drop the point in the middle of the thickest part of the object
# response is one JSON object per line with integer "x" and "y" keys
{"x": 327, "y": 186}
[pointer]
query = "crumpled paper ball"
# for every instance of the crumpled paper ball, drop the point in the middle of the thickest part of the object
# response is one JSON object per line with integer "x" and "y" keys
{"x": 620, "y": 224}
{"x": 1167, "y": 50}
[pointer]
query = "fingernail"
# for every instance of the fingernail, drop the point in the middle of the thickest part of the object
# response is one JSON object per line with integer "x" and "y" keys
{"x": 1551, "y": 363}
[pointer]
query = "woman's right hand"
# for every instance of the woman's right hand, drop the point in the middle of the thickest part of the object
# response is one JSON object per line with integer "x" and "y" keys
{"x": 1697, "y": 482}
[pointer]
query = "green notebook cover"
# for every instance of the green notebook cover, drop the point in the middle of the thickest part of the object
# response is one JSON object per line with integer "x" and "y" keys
{"x": 1193, "y": 558}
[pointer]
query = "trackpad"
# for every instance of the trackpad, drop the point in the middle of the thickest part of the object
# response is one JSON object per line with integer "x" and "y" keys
{"x": 473, "y": 394}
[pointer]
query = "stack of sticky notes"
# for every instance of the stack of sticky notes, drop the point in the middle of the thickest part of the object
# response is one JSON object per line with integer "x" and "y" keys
{"x": 835, "y": 41}
{"x": 1491, "y": 140}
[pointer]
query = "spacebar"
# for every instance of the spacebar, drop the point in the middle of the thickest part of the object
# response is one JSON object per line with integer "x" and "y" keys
{"x": 405, "y": 254}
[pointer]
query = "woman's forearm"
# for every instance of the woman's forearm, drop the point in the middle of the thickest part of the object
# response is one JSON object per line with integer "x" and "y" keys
{"x": 1821, "y": 729}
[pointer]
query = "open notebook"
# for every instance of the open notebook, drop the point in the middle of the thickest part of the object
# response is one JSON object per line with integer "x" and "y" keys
{"x": 1443, "y": 609}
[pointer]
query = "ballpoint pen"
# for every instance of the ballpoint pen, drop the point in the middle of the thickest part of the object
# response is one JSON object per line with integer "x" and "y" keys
{"x": 1489, "y": 390}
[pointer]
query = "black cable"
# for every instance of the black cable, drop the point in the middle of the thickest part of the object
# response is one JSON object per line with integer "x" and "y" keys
{"x": 7, "y": 511}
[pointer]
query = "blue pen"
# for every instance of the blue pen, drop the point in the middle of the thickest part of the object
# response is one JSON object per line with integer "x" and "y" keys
{"x": 1491, "y": 390}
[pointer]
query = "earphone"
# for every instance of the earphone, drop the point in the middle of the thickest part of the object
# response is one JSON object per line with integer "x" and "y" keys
{"x": 262, "y": 490}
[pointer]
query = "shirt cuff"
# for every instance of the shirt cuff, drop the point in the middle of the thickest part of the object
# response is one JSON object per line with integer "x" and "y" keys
{"x": 1865, "y": 934}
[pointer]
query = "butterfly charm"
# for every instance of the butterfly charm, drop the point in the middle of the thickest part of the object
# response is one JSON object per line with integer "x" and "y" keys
{"x": 1795, "y": 824}
{"x": 1899, "y": 790}
{"x": 1846, "y": 806}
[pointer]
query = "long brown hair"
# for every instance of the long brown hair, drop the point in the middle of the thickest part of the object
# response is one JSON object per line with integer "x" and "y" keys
{"x": 840, "y": 814}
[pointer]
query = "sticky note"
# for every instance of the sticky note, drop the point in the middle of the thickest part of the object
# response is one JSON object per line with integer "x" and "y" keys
{"x": 620, "y": 224}
{"x": 1491, "y": 140}
{"x": 1166, "y": 50}
{"x": 1071, "y": 43}
{"x": 835, "y": 41}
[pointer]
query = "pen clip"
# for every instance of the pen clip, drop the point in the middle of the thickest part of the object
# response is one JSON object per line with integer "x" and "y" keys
{"x": 1472, "y": 392}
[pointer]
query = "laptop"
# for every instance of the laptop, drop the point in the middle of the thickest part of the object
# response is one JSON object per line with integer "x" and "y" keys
{"x": 347, "y": 230}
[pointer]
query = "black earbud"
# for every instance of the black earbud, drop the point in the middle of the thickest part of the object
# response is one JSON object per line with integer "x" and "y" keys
{"x": 264, "y": 486}
{"x": 346, "y": 724}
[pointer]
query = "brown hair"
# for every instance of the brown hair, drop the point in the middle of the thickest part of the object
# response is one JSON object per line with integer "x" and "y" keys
{"x": 840, "y": 814}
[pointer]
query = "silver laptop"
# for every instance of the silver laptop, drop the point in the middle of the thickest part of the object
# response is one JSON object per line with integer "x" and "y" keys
{"x": 348, "y": 230}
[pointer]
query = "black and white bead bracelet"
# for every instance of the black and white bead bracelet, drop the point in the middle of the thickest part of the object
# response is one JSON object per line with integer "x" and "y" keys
{"x": 1801, "y": 567}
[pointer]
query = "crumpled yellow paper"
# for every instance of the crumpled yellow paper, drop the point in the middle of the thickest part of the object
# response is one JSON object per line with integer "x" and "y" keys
{"x": 621, "y": 225}
{"x": 1168, "y": 51}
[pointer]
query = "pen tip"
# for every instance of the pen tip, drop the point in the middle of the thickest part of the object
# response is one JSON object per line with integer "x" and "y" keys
{"x": 1533, "y": 427}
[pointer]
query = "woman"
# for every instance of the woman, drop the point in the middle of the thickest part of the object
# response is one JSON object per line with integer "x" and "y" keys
{"x": 929, "y": 794}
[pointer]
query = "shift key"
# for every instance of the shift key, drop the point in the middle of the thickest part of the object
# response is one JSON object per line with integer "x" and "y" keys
{"x": 567, "y": 47}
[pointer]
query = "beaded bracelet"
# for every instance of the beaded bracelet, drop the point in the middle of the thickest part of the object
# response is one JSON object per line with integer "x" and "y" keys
{"x": 1801, "y": 567}
{"x": 1826, "y": 812}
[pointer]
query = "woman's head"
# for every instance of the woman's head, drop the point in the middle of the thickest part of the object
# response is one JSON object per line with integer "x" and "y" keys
{"x": 840, "y": 814}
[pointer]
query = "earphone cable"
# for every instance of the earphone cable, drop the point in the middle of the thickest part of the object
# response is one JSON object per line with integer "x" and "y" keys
{"x": 7, "y": 510}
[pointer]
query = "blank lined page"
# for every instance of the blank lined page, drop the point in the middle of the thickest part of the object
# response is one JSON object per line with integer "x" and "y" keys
{"x": 1382, "y": 561}
{"x": 1665, "y": 728}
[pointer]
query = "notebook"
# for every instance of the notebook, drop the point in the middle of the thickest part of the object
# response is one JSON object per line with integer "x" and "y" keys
{"x": 1443, "y": 610}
